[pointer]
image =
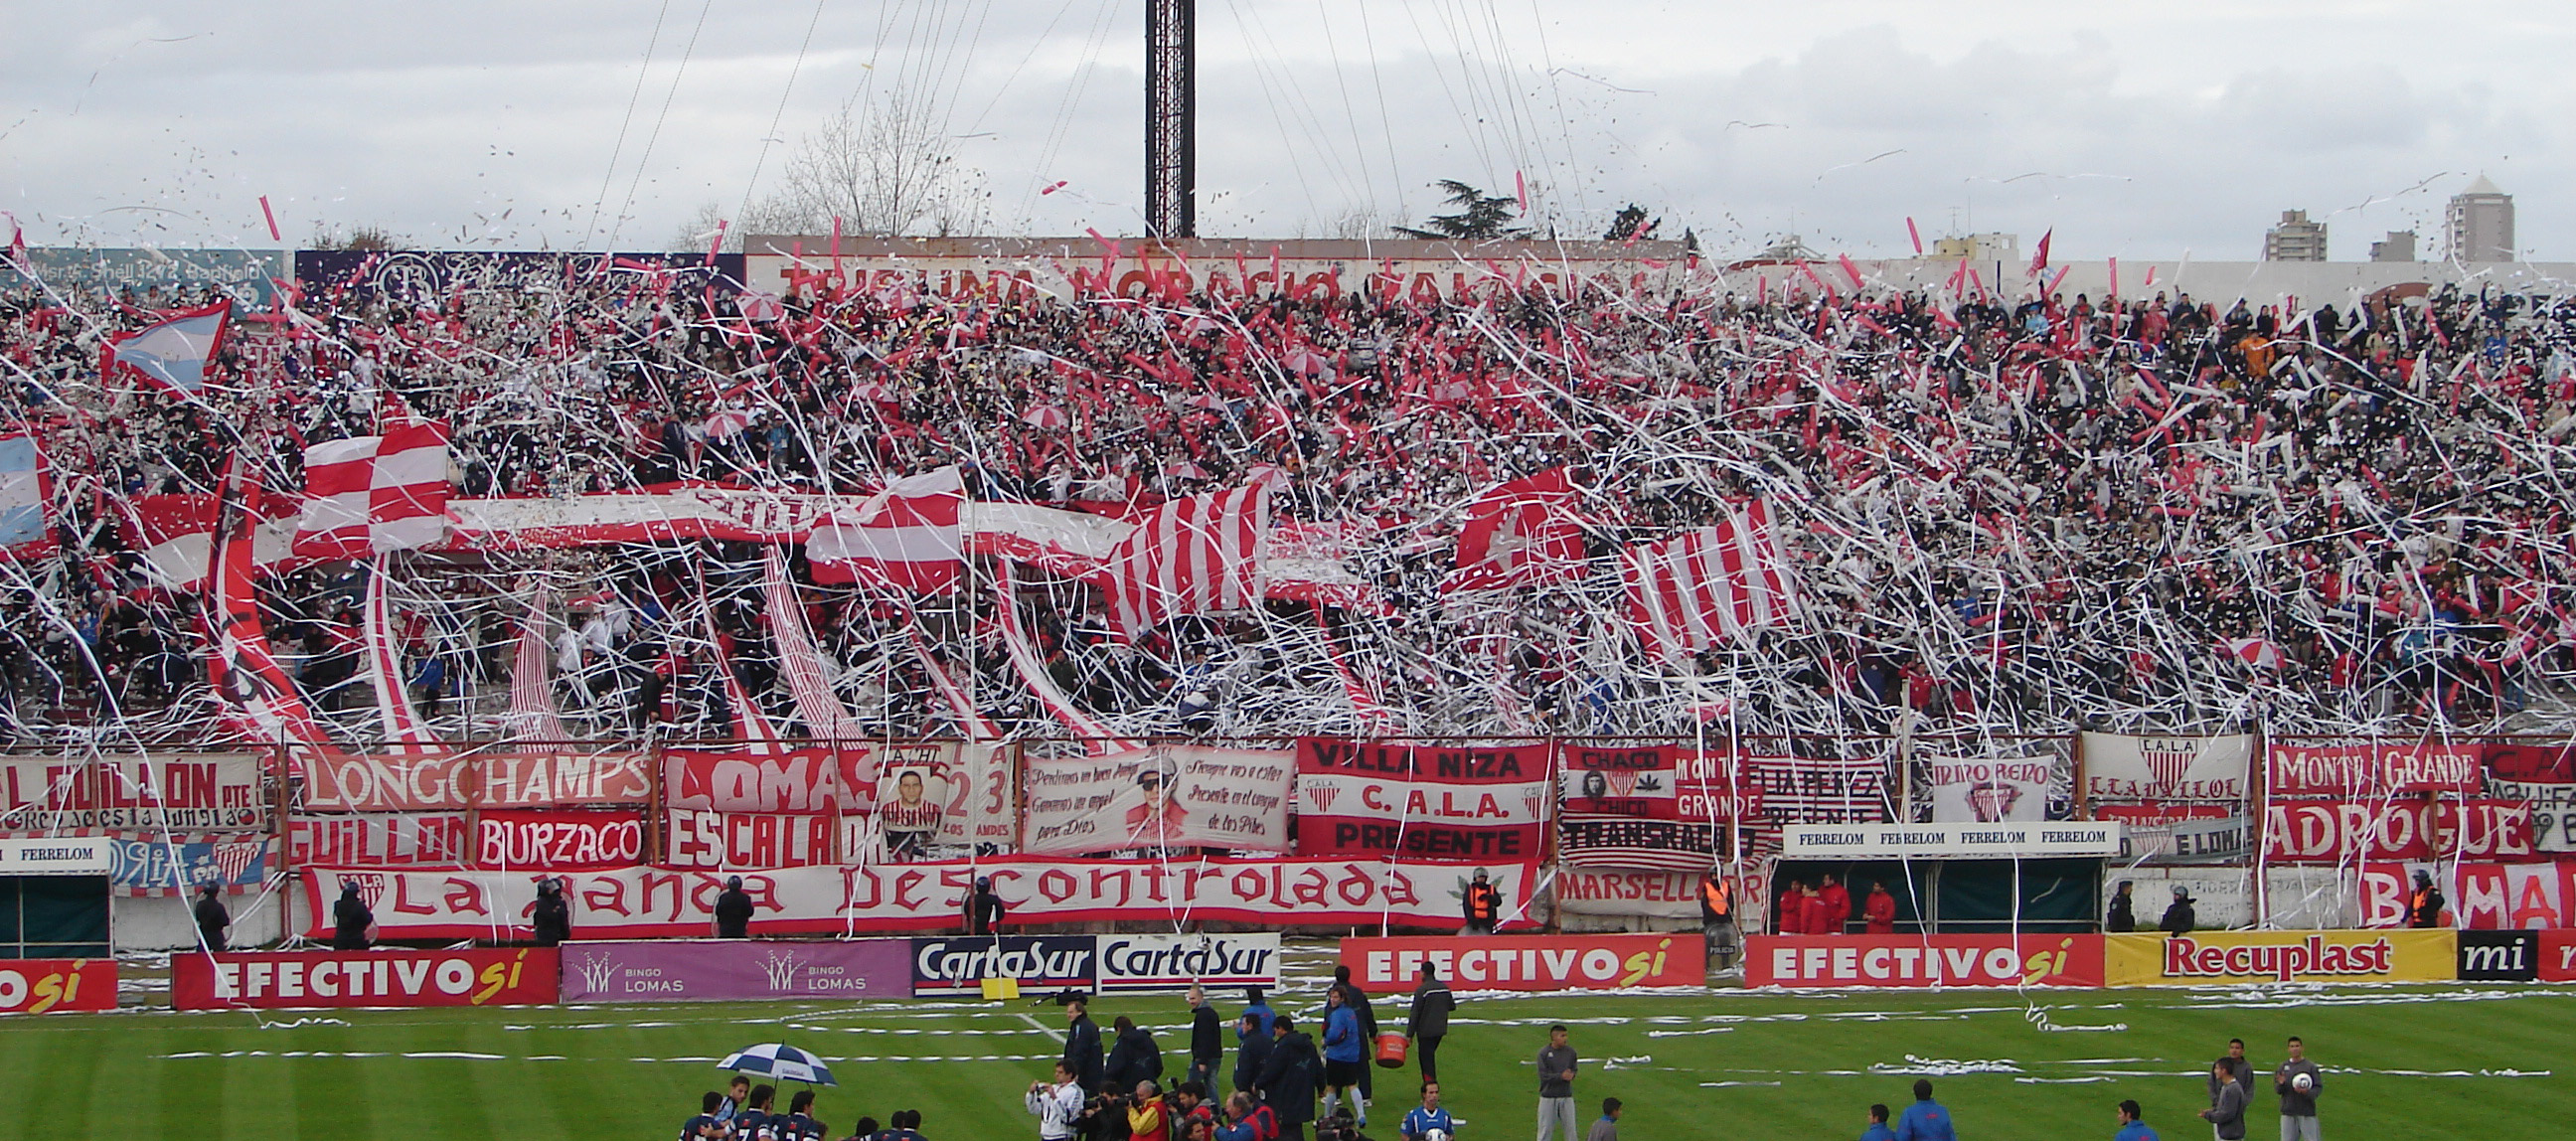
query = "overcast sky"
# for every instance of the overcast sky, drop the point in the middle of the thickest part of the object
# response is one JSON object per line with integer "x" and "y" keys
{"x": 2142, "y": 129}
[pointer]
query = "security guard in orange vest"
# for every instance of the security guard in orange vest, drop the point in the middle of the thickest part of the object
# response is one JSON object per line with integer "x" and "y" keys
{"x": 1717, "y": 917}
{"x": 1483, "y": 903}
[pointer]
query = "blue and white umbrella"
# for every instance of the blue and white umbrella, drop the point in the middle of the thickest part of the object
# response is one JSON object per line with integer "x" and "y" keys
{"x": 779, "y": 1061}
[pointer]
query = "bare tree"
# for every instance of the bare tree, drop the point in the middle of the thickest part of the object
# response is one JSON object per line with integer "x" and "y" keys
{"x": 884, "y": 167}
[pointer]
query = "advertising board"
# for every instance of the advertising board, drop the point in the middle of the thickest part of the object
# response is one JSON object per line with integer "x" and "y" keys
{"x": 56, "y": 986}
{"x": 1923, "y": 960}
{"x": 1529, "y": 962}
{"x": 272, "y": 980}
{"x": 734, "y": 970}
{"x": 2205, "y": 957}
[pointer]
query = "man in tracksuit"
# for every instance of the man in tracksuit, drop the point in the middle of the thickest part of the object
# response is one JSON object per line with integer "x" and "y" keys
{"x": 1926, "y": 1119}
{"x": 1429, "y": 1021}
{"x": 2298, "y": 1106}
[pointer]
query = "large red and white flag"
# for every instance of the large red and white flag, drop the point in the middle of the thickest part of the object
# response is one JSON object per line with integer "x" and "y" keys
{"x": 800, "y": 661}
{"x": 176, "y": 534}
{"x": 256, "y": 698}
{"x": 1709, "y": 585}
{"x": 1523, "y": 533}
{"x": 1200, "y": 555}
{"x": 905, "y": 537}
{"x": 371, "y": 494}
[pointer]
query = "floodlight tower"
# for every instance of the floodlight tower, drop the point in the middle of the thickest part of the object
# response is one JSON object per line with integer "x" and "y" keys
{"x": 1171, "y": 117}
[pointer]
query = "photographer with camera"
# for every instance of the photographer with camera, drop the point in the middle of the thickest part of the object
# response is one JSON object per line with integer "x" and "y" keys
{"x": 1056, "y": 1104}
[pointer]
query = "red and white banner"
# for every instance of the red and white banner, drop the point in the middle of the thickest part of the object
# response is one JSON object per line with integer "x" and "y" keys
{"x": 1547, "y": 963}
{"x": 176, "y": 535}
{"x": 498, "y": 976}
{"x": 1199, "y": 555}
{"x": 907, "y": 537}
{"x": 1370, "y": 798}
{"x": 557, "y": 840}
{"x": 1166, "y": 796}
{"x": 1708, "y": 587}
{"x": 1632, "y": 808}
{"x": 380, "y": 839}
{"x": 737, "y": 780}
{"x": 195, "y": 792}
{"x": 57, "y": 986}
{"x": 1524, "y": 533}
{"x": 800, "y": 661}
{"x": 750, "y": 839}
{"x": 2481, "y": 896}
{"x": 1923, "y": 960}
{"x": 2341, "y": 832}
{"x": 371, "y": 494}
{"x": 2122, "y": 767}
{"x": 346, "y": 782}
{"x": 1805, "y": 790}
{"x": 645, "y": 902}
{"x": 1626, "y": 891}
{"x": 1990, "y": 790}
{"x": 2558, "y": 956}
{"x": 254, "y": 697}
{"x": 2370, "y": 770}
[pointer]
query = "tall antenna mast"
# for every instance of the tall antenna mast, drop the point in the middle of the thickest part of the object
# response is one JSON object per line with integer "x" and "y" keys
{"x": 1171, "y": 118}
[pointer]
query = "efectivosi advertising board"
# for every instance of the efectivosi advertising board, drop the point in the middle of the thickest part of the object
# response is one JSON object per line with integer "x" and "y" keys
{"x": 1530, "y": 962}
{"x": 1922, "y": 960}
{"x": 2281, "y": 957}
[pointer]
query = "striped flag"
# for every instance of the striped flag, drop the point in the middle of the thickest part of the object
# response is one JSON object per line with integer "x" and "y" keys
{"x": 25, "y": 488}
{"x": 800, "y": 662}
{"x": 176, "y": 534}
{"x": 371, "y": 494}
{"x": 532, "y": 715}
{"x": 1199, "y": 555}
{"x": 1709, "y": 585}
{"x": 906, "y": 537}
{"x": 403, "y": 731}
{"x": 174, "y": 353}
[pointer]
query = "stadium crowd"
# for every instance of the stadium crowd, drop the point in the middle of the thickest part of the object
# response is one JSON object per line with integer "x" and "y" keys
{"x": 2158, "y": 512}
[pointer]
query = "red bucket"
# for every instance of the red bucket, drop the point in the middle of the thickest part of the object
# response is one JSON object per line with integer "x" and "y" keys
{"x": 1390, "y": 1051}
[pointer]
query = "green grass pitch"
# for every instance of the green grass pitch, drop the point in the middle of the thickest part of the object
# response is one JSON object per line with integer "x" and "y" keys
{"x": 2491, "y": 1062}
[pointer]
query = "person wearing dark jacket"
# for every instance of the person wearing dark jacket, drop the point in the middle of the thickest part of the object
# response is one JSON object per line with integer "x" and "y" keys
{"x": 1253, "y": 1055}
{"x": 733, "y": 911}
{"x": 1429, "y": 1021}
{"x": 1358, "y": 1000}
{"x": 2179, "y": 919}
{"x": 983, "y": 909}
{"x": 552, "y": 919}
{"x": 1287, "y": 1082}
{"x": 1133, "y": 1056}
{"x": 1207, "y": 1041}
{"x": 212, "y": 918}
{"x": 2424, "y": 905}
{"x": 2236, "y": 1064}
{"x": 1482, "y": 904}
{"x": 350, "y": 920}
{"x": 1082, "y": 1046}
{"x": 2124, "y": 912}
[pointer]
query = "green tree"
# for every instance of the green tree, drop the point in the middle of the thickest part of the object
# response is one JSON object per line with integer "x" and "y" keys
{"x": 1480, "y": 217}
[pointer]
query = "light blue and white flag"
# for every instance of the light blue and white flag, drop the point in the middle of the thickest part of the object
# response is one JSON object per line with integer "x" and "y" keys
{"x": 22, "y": 499}
{"x": 176, "y": 352}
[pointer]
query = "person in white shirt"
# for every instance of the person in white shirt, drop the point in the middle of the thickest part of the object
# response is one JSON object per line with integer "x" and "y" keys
{"x": 1056, "y": 1105}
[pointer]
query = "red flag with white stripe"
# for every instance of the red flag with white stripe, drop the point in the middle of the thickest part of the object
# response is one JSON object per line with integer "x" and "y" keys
{"x": 257, "y": 699}
{"x": 1709, "y": 585}
{"x": 176, "y": 534}
{"x": 906, "y": 537}
{"x": 1199, "y": 555}
{"x": 1523, "y": 533}
{"x": 371, "y": 494}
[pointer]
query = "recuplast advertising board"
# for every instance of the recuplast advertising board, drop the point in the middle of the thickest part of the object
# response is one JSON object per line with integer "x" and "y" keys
{"x": 2204, "y": 957}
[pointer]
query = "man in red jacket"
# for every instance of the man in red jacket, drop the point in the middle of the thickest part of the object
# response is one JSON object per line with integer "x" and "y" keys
{"x": 1879, "y": 909}
{"x": 1793, "y": 908}
{"x": 1832, "y": 908}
